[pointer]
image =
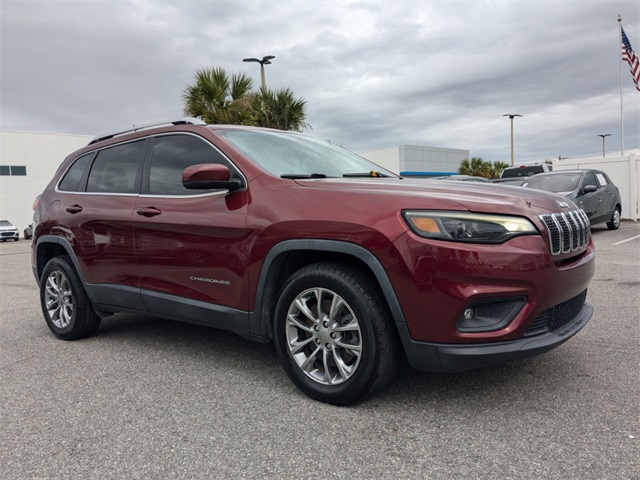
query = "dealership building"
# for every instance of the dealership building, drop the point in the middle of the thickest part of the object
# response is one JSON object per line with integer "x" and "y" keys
{"x": 27, "y": 164}
{"x": 418, "y": 161}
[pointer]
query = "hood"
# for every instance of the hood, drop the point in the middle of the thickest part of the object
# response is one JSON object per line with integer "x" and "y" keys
{"x": 447, "y": 195}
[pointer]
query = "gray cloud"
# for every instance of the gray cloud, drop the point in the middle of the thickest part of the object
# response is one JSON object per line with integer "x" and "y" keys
{"x": 374, "y": 74}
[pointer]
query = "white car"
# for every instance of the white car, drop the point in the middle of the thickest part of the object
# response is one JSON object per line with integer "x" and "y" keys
{"x": 8, "y": 231}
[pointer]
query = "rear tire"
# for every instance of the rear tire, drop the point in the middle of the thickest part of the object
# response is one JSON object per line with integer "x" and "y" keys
{"x": 333, "y": 334}
{"x": 614, "y": 223}
{"x": 65, "y": 305}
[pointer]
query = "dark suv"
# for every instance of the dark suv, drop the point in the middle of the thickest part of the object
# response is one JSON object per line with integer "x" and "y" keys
{"x": 280, "y": 237}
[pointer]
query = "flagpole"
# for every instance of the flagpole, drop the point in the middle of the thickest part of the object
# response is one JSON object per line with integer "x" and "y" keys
{"x": 621, "y": 108}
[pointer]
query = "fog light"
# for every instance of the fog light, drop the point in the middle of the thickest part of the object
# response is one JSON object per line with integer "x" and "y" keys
{"x": 489, "y": 314}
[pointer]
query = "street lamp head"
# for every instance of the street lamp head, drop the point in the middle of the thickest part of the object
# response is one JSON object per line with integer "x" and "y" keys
{"x": 511, "y": 115}
{"x": 604, "y": 135}
{"x": 265, "y": 60}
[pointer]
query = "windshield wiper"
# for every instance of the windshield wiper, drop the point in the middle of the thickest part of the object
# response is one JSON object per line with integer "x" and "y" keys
{"x": 371, "y": 174}
{"x": 294, "y": 176}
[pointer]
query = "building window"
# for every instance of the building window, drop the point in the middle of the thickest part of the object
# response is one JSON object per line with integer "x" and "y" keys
{"x": 13, "y": 170}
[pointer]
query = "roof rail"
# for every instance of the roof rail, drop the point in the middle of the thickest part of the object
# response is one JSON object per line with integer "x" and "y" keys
{"x": 135, "y": 128}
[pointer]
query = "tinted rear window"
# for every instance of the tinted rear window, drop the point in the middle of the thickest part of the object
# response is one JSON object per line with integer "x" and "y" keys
{"x": 115, "y": 169}
{"x": 72, "y": 178}
{"x": 522, "y": 171}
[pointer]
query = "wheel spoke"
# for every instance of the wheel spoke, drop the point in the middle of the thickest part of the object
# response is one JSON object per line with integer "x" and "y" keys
{"x": 295, "y": 346}
{"x": 343, "y": 368}
{"x": 336, "y": 303}
{"x": 302, "y": 307}
{"x": 305, "y": 366}
{"x": 298, "y": 324}
{"x": 356, "y": 349}
{"x": 327, "y": 368}
{"x": 352, "y": 326}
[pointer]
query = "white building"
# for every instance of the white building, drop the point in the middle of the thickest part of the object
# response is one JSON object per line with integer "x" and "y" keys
{"x": 27, "y": 164}
{"x": 418, "y": 161}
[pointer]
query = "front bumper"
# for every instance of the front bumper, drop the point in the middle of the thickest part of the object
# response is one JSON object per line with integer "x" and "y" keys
{"x": 449, "y": 358}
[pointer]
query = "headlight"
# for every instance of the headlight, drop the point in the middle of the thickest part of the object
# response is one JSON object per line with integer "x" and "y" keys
{"x": 468, "y": 227}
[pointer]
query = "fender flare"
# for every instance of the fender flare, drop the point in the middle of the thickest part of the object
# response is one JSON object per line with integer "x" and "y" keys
{"x": 257, "y": 322}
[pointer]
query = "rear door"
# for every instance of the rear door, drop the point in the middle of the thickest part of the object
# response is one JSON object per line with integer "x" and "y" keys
{"x": 97, "y": 221}
{"x": 191, "y": 245}
{"x": 608, "y": 196}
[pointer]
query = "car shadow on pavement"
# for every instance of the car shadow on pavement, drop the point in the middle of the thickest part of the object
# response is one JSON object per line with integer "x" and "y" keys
{"x": 205, "y": 348}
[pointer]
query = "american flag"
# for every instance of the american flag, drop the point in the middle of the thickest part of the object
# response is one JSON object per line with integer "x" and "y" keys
{"x": 629, "y": 56}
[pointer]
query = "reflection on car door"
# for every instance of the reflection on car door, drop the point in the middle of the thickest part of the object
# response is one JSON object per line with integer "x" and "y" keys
{"x": 190, "y": 244}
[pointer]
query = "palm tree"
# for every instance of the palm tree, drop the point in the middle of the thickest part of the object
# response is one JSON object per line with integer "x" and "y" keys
{"x": 479, "y": 168}
{"x": 475, "y": 167}
{"x": 280, "y": 109}
{"x": 216, "y": 97}
{"x": 497, "y": 168}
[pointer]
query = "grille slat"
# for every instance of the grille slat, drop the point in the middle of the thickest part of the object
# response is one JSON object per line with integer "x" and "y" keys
{"x": 567, "y": 231}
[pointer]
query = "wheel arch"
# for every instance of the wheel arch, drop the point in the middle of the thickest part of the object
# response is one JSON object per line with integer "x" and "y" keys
{"x": 289, "y": 256}
{"x": 50, "y": 246}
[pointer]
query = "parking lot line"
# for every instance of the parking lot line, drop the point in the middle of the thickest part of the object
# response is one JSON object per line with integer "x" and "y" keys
{"x": 626, "y": 240}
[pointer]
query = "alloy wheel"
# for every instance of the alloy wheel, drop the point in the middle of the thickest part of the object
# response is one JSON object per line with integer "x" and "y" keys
{"x": 323, "y": 336}
{"x": 59, "y": 299}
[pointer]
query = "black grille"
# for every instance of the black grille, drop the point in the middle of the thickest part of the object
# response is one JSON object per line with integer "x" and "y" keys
{"x": 568, "y": 231}
{"x": 557, "y": 317}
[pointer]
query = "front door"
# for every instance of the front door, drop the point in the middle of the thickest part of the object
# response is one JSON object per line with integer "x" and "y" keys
{"x": 191, "y": 245}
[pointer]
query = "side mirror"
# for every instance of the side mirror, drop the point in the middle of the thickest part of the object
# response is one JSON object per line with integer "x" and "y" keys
{"x": 208, "y": 176}
{"x": 589, "y": 188}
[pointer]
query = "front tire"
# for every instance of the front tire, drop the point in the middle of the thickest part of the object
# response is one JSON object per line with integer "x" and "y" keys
{"x": 65, "y": 305}
{"x": 333, "y": 334}
{"x": 614, "y": 223}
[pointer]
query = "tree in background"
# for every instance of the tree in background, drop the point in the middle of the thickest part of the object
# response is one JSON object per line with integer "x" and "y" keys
{"x": 280, "y": 109}
{"x": 480, "y": 168}
{"x": 216, "y": 97}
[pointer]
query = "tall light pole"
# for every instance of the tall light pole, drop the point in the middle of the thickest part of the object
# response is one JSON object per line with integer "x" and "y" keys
{"x": 511, "y": 117}
{"x": 263, "y": 62}
{"x": 603, "y": 135}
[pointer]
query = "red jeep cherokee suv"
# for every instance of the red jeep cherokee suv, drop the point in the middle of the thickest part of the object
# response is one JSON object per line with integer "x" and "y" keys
{"x": 278, "y": 236}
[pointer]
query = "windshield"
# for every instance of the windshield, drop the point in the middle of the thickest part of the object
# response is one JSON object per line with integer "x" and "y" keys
{"x": 5, "y": 223}
{"x": 298, "y": 155}
{"x": 554, "y": 183}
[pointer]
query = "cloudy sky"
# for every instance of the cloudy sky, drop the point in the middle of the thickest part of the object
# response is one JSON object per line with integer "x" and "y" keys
{"x": 374, "y": 74}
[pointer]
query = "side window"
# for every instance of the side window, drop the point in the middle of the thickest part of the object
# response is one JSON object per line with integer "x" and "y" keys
{"x": 589, "y": 179}
{"x": 171, "y": 155}
{"x": 115, "y": 169}
{"x": 602, "y": 180}
{"x": 72, "y": 178}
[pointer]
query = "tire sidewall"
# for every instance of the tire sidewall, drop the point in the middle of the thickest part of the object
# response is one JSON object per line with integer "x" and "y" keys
{"x": 362, "y": 379}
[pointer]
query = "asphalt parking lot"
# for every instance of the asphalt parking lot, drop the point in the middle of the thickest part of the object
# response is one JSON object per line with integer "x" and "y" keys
{"x": 146, "y": 398}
